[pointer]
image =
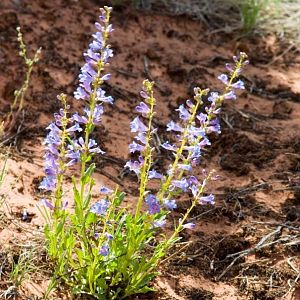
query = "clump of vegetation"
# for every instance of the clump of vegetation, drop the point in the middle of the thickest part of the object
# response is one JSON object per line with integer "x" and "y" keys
{"x": 105, "y": 248}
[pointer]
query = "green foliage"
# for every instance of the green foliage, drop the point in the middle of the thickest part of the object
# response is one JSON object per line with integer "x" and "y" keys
{"x": 21, "y": 268}
{"x": 252, "y": 11}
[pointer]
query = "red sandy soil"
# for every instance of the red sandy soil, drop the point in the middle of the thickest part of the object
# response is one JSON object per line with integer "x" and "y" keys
{"x": 257, "y": 155}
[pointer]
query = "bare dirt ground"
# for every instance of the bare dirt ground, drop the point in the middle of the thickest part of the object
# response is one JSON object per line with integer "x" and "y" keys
{"x": 257, "y": 155}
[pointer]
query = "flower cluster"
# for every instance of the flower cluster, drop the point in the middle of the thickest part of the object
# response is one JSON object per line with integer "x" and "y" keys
{"x": 96, "y": 57}
{"x": 52, "y": 168}
{"x": 59, "y": 153}
{"x": 192, "y": 137}
{"x": 143, "y": 132}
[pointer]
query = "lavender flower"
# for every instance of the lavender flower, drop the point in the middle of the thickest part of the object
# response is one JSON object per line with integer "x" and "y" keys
{"x": 104, "y": 250}
{"x": 135, "y": 147}
{"x": 98, "y": 112}
{"x": 100, "y": 207}
{"x": 144, "y": 94}
{"x": 183, "y": 113}
{"x": 154, "y": 174}
{"x": 239, "y": 85}
{"x": 100, "y": 95}
{"x": 143, "y": 109}
{"x": 135, "y": 166}
{"x": 105, "y": 190}
{"x": 185, "y": 167}
{"x": 172, "y": 126}
{"x": 181, "y": 184}
{"x": 168, "y": 146}
{"x": 138, "y": 126}
{"x": 108, "y": 236}
{"x": 170, "y": 204}
{"x": 189, "y": 226}
{"x": 223, "y": 78}
{"x": 161, "y": 222}
{"x": 213, "y": 95}
{"x": 141, "y": 138}
{"x": 153, "y": 204}
{"x": 210, "y": 199}
{"x": 230, "y": 96}
{"x": 46, "y": 203}
{"x": 80, "y": 119}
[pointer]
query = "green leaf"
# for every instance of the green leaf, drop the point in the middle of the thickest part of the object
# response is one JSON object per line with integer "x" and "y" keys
{"x": 88, "y": 173}
{"x": 119, "y": 198}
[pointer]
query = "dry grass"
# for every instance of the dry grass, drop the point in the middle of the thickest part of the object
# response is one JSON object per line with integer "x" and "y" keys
{"x": 280, "y": 17}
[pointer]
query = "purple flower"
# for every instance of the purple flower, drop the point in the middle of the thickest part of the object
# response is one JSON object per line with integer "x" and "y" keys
{"x": 183, "y": 113}
{"x": 105, "y": 77}
{"x": 195, "y": 132}
{"x": 135, "y": 166}
{"x": 52, "y": 166}
{"x": 189, "y": 226}
{"x": 192, "y": 180}
{"x": 239, "y": 85}
{"x": 143, "y": 109}
{"x": 100, "y": 207}
{"x": 170, "y": 204}
{"x": 223, "y": 78}
{"x": 230, "y": 96}
{"x": 104, "y": 250}
{"x": 168, "y": 146}
{"x": 98, "y": 112}
{"x": 138, "y": 126}
{"x": 75, "y": 127}
{"x": 80, "y": 93}
{"x": 210, "y": 199}
{"x": 202, "y": 118}
{"x": 214, "y": 126}
{"x": 135, "y": 147}
{"x": 105, "y": 190}
{"x": 213, "y": 96}
{"x": 204, "y": 142}
{"x": 107, "y": 54}
{"x": 100, "y": 96}
{"x": 141, "y": 138}
{"x": 46, "y": 203}
{"x": 172, "y": 126}
{"x": 195, "y": 151}
{"x": 108, "y": 236}
{"x": 153, "y": 174}
{"x": 185, "y": 167}
{"x": 153, "y": 204}
{"x": 190, "y": 103}
{"x": 65, "y": 204}
{"x": 229, "y": 67}
{"x": 144, "y": 94}
{"x": 195, "y": 190}
{"x": 74, "y": 155}
{"x": 58, "y": 117}
{"x": 161, "y": 222}
{"x": 181, "y": 184}
{"x": 48, "y": 183}
{"x": 80, "y": 119}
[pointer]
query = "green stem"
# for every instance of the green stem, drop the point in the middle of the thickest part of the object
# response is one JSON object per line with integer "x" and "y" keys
{"x": 167, "y": 183}
{"x": 147, "y": 152}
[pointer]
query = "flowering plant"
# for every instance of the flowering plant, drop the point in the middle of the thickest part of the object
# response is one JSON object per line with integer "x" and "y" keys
{"x": 104, "y": 248}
